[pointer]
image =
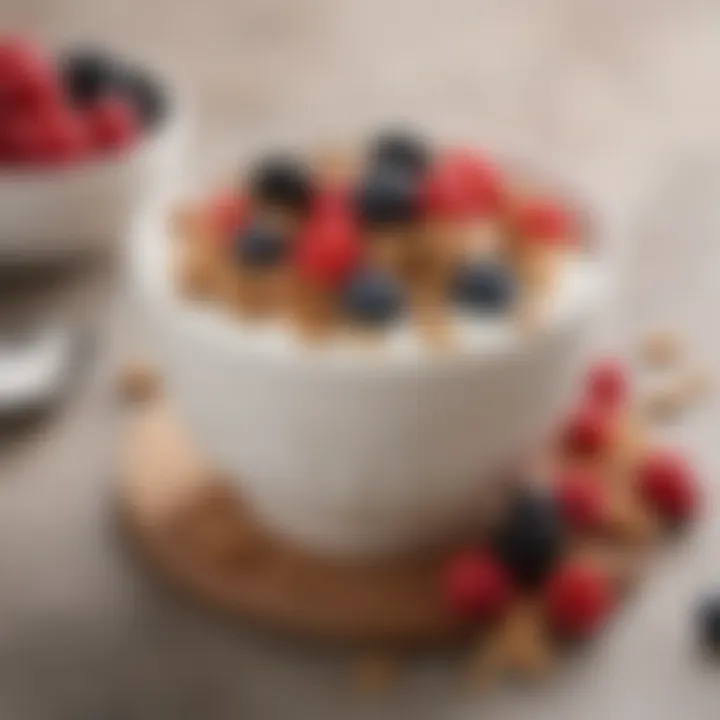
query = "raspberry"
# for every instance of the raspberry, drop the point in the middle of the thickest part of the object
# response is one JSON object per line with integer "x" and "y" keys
{"x": 607, "y": 384}
{"x": 22, "y": 141}
{"x": 544, "y": 221}
{"x": 444, "y": 195}
{"x": 328, "y": 249}
{"x": 578, "y": 599}
{"x": 668, "y": 484}
{"x": 113, "y": 123}
{"x": 476, "y": 586}
{"x": 28, "y": 80}
{"x": 63, "y": 138}
{"x": 587, "y": 432}
{"x": 481, "y": 180}
{"x": 581, "y": 499}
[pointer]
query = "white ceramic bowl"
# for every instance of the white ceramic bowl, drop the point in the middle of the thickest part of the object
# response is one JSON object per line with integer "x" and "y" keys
{"x": 54, "y": 213}
{"x": 363, "y": 453}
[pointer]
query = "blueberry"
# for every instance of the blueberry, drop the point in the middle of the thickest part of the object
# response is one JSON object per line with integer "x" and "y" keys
{"x": 709, "y": 623}
{"x": 373, "y": 298}
{"x": 282, "y": 181}
{"x": 387, "y": 196}
{"x": 487, "y": 286}
{"x": 401, "y": 149}
{"x": 147, "y": 95}
{"x": 88, "y": 74}
{"x": 531, "y": 538}
{"x": 260, "y": 246}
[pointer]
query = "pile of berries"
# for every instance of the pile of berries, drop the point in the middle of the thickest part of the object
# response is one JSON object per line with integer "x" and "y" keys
{"x": 404, "y": 217}
{"x": 57, "y": 111}
{"x": 530, "y": 553}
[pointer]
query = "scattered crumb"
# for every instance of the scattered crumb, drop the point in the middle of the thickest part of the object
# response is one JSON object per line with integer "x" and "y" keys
{"x": 696, "y": 384}
{"x": 528, "y": 643}
{"x": 662, "y": 348}
{"x": 666, "y": 402}
{"x": 376, "y": 672}
{"x": 138, "y": 381}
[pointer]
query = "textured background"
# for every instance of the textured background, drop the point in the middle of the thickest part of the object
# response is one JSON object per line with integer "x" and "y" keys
{"x": 624, "y": 93}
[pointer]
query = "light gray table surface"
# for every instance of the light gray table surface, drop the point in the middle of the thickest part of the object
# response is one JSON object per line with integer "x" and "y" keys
{"x": 626, "y": 95}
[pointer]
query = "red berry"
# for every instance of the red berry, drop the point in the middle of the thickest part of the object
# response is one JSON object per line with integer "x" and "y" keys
{"x": 587, "y": 432}
{"x": 476, "y": 586}
{"x": 29, "y": 82}
{"x": 607, "y": 384}
{"x": 545, "y": 221}
{"x": 443, "y": 194}
{"x": 22, "y": 141}
{"x": 328, "y": 249}
{"x": 114, "y": 123}
{"x": 63, "y": 139}
{"x": 227, "y": 214}
{"x": 480, "y": 179}
{"x": 667, "y": 483}
{"x": 578, "y": 599}
{"x": 581, "y": 498}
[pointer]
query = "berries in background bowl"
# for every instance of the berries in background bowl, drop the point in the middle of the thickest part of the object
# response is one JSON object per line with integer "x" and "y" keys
{"x": 484, "y": 286}
{"x": 113, "y": 123}
{"x": 373, "y": 298}
{"x": 77, "y": 158}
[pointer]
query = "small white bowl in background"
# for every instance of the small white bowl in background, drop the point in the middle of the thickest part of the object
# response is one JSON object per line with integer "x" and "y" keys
{"x": 53, "y": 213}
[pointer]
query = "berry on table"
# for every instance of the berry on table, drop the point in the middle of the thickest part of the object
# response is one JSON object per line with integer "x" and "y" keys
{"x": 484, "y": 286}
{"x": 476, "y": 586}
{"x": 667, "y": 483}
{"x": 402, "y": 150}
{"x": 586, "y": 432}
{"x": 578, "y": 600}
{"x": 580, "y": 495}
{"x": 373, "y": 298}
{"x": 708, "y": 623}
{"x": 387, "y": 196}
{"x": 113, "y": 123}
{"x": 532, "y": 537}
{"x": 607, "y": 384}
{"x": 260, "y": 247}
{"x": 282, "y": 181}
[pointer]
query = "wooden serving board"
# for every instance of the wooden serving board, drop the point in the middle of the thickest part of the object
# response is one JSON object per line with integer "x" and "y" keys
{"x": 197, "y": 532}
